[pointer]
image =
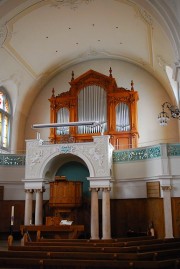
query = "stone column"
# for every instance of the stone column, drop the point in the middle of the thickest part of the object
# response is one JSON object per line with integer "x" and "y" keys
{"x": 39, "y": 207}
{"x": 167, "y": 211}
{"x": 106, "y": 219}
{"x": 28, "y": 207}
{"x": 94, "y": 213}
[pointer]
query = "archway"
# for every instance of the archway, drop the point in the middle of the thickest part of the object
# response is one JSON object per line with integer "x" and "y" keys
{"x": 43, "y": 161}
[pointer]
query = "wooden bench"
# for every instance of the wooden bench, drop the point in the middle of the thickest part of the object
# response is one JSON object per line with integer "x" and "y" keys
{"x": 122, "y": 239}
{"x": 142, "y": 254}
{"x": 166, "y": 254}
{"x": 161, "y": 246}
{"x": 78, "y": 255}
{"x": 83, "y": 264}
{"x": 74, "y": 249}
{"x": 98, "y": 244}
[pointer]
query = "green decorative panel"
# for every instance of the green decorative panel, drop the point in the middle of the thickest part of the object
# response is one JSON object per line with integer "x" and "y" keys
{"x": 173, "y": 150}
{"x": 137, "y": 154}
{"x": 12, "y": 160}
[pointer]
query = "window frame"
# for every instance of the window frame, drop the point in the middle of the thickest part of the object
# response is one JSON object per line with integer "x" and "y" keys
{"x": 9, "y": 116}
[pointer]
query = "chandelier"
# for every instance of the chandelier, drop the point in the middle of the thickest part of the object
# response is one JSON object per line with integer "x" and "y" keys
{"x": 163, "y": 116}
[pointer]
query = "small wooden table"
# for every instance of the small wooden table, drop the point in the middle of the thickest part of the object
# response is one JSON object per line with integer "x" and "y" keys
{"x": 61, "y": 231}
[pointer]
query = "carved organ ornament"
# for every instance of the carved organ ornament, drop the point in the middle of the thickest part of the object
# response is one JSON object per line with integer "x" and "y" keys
{"x": 95, "y": 96}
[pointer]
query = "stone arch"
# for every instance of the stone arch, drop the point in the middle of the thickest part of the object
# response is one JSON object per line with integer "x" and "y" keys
{"x": 50, "y": 161}
{"x": 42, "y": 157}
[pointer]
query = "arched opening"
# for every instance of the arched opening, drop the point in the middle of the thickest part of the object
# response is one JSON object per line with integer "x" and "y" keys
{"x": 74, "y": 169}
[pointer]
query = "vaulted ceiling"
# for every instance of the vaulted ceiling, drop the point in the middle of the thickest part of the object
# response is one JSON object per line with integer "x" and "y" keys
{"x": 39, "y": 38}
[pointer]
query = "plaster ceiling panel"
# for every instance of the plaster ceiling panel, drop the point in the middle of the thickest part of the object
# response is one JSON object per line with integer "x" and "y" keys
{"x": 48, "y": 35}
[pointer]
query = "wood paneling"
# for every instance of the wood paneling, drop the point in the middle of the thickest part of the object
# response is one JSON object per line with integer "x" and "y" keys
{"x": 1, "y": 193}
{"x": 126, "y": 214}
{"x": 5, "y": 215}
{"x": 176, "y": 216}
{"x": 155, "y": 213}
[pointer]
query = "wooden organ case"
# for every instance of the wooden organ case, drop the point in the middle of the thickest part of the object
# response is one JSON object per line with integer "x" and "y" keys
{"x": 95, "y": 96}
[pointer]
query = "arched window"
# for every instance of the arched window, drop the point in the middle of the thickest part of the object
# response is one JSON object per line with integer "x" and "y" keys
{"x": 5, "y": 120}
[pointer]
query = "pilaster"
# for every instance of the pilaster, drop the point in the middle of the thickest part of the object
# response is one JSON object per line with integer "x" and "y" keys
{"x": 167, "y": 210}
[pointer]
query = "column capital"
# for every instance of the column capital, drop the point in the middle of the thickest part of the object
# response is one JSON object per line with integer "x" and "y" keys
{"x": 106, "y": 189}
{"x": 39, "y": 190}
{"x": 166, "y": 188}
{"x": 94, "y": 189}
{"x": 29, "y": 190}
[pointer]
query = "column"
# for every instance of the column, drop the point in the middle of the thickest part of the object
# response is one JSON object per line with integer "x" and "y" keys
{"x": 39, "y": 207}
{"x": 106, "y": 219}
{"x": 28, "y": 207}
{"x": 167, "y": 211}
{"x": 94, "y": 213}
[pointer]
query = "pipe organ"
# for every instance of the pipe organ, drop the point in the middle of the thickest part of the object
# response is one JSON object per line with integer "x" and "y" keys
{"x": 95, "y": 97}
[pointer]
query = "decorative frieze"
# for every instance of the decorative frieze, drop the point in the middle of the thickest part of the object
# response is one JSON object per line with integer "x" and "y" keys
{"x": 95, "y": 154}
{"x": 137, "y": 154}
{"x": 146, "y": 16}
{"x": 3, "y": 34}
{"x": 173, "y": 149}
{"x": 12, "y": 160}
{"x": 72, "y": 4}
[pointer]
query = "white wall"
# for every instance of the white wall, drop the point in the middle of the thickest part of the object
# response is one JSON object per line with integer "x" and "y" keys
{"x": 11, "y": 178}
{"x": 130, "y": 178}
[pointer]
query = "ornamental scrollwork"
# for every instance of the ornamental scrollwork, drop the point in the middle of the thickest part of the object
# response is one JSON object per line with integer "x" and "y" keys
{"x": 72, "y": 4}
{"x": 3, "y": 34}
{"x": 166, "y": 188}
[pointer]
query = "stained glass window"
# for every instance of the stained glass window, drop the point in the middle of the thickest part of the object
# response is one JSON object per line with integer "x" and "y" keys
{"x": 5, "y": 120}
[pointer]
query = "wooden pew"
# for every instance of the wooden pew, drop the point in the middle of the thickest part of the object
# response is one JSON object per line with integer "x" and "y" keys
{"x": 142, "y": 254}
{"x": 161, "y": 246}
{"x": 28, "y": 263}
{"x": 62, "y": 264}
{"x": 122, "y": 239}
{"x": 77, "y": 255}
{"x": 166, "y": 254}
{"x": 97, "y": 243}
{"x": 83, "y": 264}
{"x": 74, "y": 249}
{"x": 157, "y": 255}
{"x": 98, "y": 247}
{"x": 168, "y": 264}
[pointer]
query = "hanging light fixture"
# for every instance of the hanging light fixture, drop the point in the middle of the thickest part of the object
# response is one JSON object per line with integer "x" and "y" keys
{"x": 163, "y": 116}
